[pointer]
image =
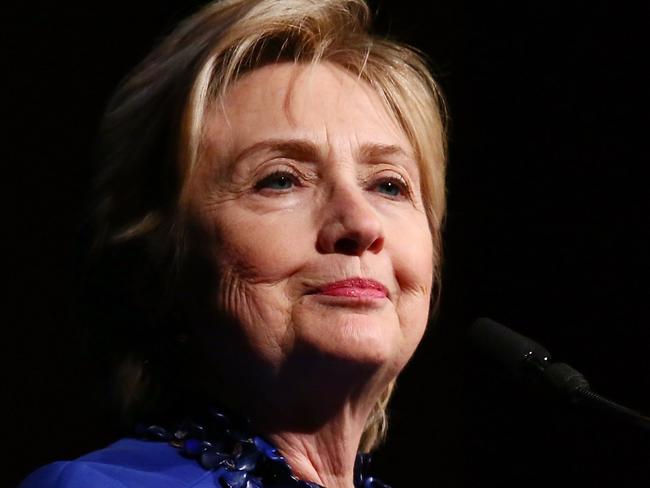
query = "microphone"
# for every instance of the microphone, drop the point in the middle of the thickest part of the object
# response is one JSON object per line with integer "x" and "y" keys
{"x": 527, "y": 359}
{"x": 521, "y": 355}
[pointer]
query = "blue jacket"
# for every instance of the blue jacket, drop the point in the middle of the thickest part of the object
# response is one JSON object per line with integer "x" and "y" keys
{"x": 128, "y": 463}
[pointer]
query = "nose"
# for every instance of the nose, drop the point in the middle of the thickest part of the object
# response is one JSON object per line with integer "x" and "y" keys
{"x": 351, "y": 225}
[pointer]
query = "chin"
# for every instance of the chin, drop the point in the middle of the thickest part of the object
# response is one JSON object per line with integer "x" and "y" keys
{"x": 355, "y": 338}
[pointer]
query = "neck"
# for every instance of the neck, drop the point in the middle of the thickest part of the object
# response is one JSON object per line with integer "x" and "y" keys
{"x": 317, "y": 433}
{"x": 326, "y": 456}
{"x": 312, "y": 409}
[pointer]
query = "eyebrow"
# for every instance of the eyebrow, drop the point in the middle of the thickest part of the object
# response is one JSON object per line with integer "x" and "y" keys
{"x": 373, "y": 151}
{"x": 297, "y": 148}
{"x": 308, "y": 151}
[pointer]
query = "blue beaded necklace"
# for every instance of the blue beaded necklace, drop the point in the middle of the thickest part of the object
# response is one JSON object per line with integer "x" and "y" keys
{"x": 237, "y": 458}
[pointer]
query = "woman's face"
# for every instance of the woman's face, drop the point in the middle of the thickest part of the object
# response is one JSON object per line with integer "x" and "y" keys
{"x": 307, "y": 199}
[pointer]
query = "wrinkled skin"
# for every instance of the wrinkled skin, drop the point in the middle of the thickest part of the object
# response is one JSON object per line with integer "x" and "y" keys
{"x": 305, "y": 179}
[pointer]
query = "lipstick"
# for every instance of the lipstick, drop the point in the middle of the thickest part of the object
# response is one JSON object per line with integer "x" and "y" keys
{"x": 354, "y": 288}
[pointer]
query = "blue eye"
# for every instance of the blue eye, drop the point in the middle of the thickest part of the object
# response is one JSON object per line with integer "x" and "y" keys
{"x": 280, "y": 180}
{"x": 391, "y": 187}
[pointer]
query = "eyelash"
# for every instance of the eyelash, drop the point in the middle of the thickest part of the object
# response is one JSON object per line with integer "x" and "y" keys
{"x": 291, "y": 177}
{"x": 266, "y": 180}
{"x": 399, "y": 182}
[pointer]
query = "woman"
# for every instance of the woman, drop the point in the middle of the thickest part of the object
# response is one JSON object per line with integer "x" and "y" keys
{"x": 270, "y": 198}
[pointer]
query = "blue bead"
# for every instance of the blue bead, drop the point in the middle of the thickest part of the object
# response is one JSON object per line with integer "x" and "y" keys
{"x": 213, "y": 459}
{"x": 239, "y": 436}
{"x": 194, "y": 447}
{"x": 155, "y": 432}
{"x": 247, "y": 460}
{"x": 253, "y": 483}
{"x": 234, "y": 479}
{"x": 360, "y": 467}
{"x": 358, "y": 478}
{"x": 238, "y": 459}
{"x": 269, "y": 450}
{"x": 217, "y": 474}
{"x": 371, "y": 482}
{"x": 190, "y": 429}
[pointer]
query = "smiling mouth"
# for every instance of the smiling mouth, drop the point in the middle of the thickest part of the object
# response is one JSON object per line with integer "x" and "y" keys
{"x": 353, "y": 288}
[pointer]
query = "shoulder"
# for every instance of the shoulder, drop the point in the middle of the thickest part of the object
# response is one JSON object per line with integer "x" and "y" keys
{"x": 128, "y": 463}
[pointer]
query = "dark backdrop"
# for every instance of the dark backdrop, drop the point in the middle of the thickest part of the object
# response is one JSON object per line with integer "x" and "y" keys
{"x": 547, "y": 232}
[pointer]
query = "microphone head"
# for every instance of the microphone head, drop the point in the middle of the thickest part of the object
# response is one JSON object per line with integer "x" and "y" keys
{"x": 513, "y": 350}
{"x": 566, "y": 379}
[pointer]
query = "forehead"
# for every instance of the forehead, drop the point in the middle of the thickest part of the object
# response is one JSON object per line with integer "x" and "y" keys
{"x": 319, "y": 102}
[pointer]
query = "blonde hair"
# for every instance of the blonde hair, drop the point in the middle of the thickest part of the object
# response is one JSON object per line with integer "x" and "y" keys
{"x": 151, "y": 135}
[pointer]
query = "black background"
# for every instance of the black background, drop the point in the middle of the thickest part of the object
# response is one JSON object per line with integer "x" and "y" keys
{"x": 547, "y": 232}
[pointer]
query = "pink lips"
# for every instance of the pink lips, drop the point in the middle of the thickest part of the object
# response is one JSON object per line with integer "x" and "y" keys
{"x": 354, "y": 288}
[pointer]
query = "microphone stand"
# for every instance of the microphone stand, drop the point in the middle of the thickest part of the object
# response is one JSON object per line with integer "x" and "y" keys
{"x": 572, "y": 384}
{"x": 529, "y": 359}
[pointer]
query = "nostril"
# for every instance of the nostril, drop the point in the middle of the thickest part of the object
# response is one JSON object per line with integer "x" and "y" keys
{"x": 346, "y": 245}
{"x": 351, "y": 228}
{"x": 377, "y": 245}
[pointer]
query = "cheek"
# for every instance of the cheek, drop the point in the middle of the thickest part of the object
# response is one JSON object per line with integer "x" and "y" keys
{"x": 412, "y": 258}
{"x": 265, "y": 249}
{"x": 249, "y": 314}
{"x": 255, "y": 258}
